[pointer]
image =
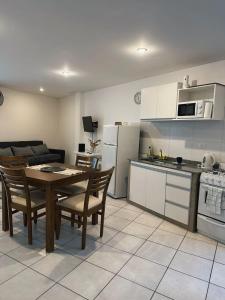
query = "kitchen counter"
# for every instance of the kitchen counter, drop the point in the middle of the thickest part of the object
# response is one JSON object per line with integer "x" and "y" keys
{"x": 186, "y": 167}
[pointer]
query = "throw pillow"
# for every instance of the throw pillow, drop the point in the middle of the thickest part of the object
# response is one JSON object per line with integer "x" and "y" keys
{"x": 6, "y": 152}
{"x": 40, "y": 149}
{"x": 23, "y": 151}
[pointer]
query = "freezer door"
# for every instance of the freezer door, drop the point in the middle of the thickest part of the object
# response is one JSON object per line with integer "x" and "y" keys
{"x": 110, "y": 134}
{"x": 109, "y": 157}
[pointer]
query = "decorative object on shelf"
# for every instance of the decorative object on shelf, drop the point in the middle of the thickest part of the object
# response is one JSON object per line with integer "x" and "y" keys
{"x": 186, "y": 82}
{"x": 137, "y": 98}
{"x": 93, "y": 145}
{"x": 194, "y": 82}
{"x": 1, "y": 98}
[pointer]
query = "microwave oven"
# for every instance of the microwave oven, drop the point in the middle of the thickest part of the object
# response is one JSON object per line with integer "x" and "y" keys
{"x": 195, "y": 109}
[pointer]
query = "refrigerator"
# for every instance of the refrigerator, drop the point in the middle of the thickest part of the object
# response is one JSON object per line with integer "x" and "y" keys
{"x": 120, "y": 143}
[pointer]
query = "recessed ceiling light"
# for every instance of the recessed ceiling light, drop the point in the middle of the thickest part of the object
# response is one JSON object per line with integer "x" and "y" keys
{"x": 41, "y": 89}
{"x": 142, "y": 50}
{"x": 66, "y": 72}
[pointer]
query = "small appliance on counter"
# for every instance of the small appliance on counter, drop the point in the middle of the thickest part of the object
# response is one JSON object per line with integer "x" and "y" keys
{"x": 208, "y": 161}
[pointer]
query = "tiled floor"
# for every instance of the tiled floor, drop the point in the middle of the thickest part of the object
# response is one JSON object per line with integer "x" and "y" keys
{"x": 139, "y": 257}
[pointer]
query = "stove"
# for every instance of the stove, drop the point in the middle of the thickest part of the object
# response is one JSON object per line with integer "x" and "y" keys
{"x": 214, "y": 178}
{"x": 211, "y": 205}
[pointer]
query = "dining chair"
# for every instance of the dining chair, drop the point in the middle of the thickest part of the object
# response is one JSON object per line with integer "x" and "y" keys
{"x": 79, "y": 187}
{"x": 84, "y": 205}
{"x": 20, "y": 198}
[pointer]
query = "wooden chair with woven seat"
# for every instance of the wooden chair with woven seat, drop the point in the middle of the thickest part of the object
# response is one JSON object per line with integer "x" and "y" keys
{"x": 84, "y": 205}
{"x": 20, "y": 161}
{"x": 14, "y": 180}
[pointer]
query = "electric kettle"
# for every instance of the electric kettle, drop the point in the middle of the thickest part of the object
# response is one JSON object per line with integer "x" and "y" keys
{"x": 208, "y": 160}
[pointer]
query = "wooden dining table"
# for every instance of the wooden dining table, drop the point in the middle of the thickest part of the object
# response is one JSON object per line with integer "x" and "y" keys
{"x": 49, "y": 182}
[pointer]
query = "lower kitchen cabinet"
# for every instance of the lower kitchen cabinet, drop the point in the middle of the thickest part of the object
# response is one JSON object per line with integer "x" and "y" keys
{"x": 155, "y": 190}
{"x": 168, "y": 192}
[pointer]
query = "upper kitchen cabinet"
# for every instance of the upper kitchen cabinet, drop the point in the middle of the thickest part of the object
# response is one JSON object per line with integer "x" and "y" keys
{"x": 159, "y": 102}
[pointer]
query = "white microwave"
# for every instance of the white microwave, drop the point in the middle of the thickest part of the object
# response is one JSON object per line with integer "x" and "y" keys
{"x": 195, "y": 109}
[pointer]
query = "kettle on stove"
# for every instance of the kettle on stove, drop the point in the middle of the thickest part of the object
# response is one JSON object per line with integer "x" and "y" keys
{"x": 208, "y": 160}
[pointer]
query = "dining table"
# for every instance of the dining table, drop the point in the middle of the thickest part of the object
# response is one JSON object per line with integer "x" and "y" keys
{"x": 49, "y": 182}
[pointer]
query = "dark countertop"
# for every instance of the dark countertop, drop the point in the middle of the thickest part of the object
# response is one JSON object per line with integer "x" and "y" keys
{"x": 187, "y": 167}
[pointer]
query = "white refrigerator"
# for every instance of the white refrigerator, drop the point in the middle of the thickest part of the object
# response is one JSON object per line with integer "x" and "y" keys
{"x": 120, "y": 143}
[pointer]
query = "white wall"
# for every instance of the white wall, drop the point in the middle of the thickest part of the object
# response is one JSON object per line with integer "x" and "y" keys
{"x": 188, "y": 139}
{"x": 69, "y": 124}
{"x": 25, "y": 116}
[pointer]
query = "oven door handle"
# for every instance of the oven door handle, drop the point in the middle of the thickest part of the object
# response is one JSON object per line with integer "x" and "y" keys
{"x": 206, "y": 194}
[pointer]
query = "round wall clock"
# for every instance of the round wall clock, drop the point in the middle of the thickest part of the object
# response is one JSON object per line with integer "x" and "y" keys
{"x": 1, "y": 98}
{"x": 137, "y": 98}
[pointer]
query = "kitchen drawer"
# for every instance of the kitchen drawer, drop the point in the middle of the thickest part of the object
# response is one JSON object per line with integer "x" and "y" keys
{"x": 177, "y": 213}
{"x": 180, "y": 181}
{"x": 176, "y": 195}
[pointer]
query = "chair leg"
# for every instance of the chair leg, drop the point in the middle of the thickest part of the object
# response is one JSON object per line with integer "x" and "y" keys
{"x": 29, "y": 227}
{"x": 102, "y": 222}
{"x": 35, "y": 217}
{"x": 72, "y": 219}
{"x": 58, "y": 222}
{"x": 24, "y": 219}
{"x": 79, "y": 220}
{"x": 84, "y": 229}
{"x": 10, "y": 221}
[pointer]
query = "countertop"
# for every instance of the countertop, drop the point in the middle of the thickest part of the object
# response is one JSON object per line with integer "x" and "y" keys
{"x": 186, "y": 167}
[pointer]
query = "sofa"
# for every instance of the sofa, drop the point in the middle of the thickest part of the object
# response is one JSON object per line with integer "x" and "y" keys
{"x": 35, "y": 151}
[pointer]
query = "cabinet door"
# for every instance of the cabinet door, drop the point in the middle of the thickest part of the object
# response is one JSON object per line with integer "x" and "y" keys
{"x": 137, "y": 191}
{"x": 149, "y": 101}
{"x": 167, "y": 101}
{"x": 156, "y": 189}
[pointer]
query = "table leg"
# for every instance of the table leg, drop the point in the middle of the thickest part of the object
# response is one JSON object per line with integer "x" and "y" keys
{"x": 5, "y": 219}
{"x": 50, "y": 218}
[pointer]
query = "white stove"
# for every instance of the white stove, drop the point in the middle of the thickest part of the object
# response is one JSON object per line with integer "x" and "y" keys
{"x": 211, "y": 205}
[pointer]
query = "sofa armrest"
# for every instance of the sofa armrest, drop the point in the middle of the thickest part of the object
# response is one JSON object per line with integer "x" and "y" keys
{"x": 60, "y": 152}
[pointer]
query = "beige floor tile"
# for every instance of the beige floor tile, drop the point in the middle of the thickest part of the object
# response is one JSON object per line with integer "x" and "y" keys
{"x": 192, "y": 265}
{"x": 121, "y": 289}
{"x": 148, "y": 220}
{"x": 199, "y": 248}
{"x": 220, "y": 254}
{"x": 116, "y": 222}
{"x": 200, "y": 237}
{"x": 110, "y": 209}
{"x": 126, "y": 242}
{"x": 167, "y": 226}
{"x": 9, "y": 268}
{"x": 139, "y": 230}
{"x": 127, "y": 214}
{"x": 143, "y": 272}
{"x": 87, "y": 280}
{"x": 109, "y": 258}
{"x": 215, "y": 293}
{"x": 218, "y": 275}
{"x": 133, "y": 207}
{"x": 58, "y": 292}
{"x": 93, "y": 232}
{"x": 156, "y": 253}
{"x": 27, "y": 285}
{"x": 56, "y": 265}
{"x": 116, "y": 202}
{"x": 159, "y": 297}
{"x": 182, "y": 287}
{"x": 166, "y": 238}
{"x": 74, "y": 247}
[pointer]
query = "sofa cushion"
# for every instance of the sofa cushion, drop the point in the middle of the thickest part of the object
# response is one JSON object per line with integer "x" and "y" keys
{"x": 40, "y": 149}
{"x": 23, "y": 151}
{"x": 6, "y": 151}
{"x": 44, "y": 158}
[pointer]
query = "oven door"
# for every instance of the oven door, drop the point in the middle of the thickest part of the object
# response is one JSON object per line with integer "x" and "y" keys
{"x": 202, "y": 207}
{"x": 186, "y": 110}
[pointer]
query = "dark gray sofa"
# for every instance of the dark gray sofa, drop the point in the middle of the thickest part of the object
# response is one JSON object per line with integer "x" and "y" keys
{"x": 53, "y": 155}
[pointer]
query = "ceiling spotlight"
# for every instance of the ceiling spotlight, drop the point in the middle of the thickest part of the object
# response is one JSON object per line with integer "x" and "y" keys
{"x": 142, "y": 50}
{"x": 66, "y": 72}
{"x": 41, "y": 89}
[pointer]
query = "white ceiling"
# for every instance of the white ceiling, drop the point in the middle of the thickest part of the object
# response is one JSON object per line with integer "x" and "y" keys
{"x": 98, "y": 38}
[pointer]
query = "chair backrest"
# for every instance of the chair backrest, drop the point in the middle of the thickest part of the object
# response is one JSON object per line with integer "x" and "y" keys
{"x": 98, "y": 181}
{"x": 13, "y": 161}
{"x": 15, "y": 183}
{"x": 86, "y": 161}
